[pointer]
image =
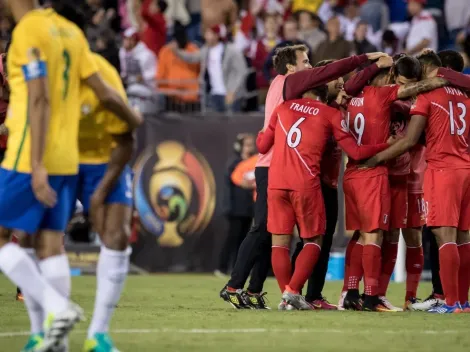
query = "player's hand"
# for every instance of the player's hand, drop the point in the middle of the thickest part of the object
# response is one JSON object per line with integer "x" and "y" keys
{"x": 375, "y": 56}
{"x": 372, "y": 162}
{"x": 385, "y": 61}
{"x": 392, "y": 140}
{"x": 97, "y": 210}
{"x": 426, "y": 51}
{"x": 342, "y": 97}
{"x": 41, "y": 187}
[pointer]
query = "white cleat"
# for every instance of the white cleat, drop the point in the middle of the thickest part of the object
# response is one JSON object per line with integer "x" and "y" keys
{"x": 430, "y": 302}
{"x": 297, "y": 301}
{"x": 58, "y": 327}
{"x": 387, "y": 304}
{"x": 341, "y": 300}
{"x": 285, "y": 306}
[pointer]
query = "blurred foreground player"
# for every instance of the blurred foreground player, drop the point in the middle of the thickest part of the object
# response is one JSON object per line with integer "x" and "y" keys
{"x": 441, "y": 115}
{"x": 299, "y": 130}
{"x": 295, "y": 77}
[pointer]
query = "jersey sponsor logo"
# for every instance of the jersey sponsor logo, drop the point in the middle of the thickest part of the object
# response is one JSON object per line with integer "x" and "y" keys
{"x": 174, "y": 192}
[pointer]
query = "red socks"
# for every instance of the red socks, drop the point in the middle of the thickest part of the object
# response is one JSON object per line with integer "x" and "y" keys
{"x": 355, "y": 267}
{"x": 304, "y": 265}
{"x": 414, "y": 268}
{"x": 389, "y": 258}
{"x": 464, "y": 272}
{"x": 371, "y": 261}
{"x": 449, "y": 261}
{"x": 347, "y": 263}
{"x": 282, "y": 266}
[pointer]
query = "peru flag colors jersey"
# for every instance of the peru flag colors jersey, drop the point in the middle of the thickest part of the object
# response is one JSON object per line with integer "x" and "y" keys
{"x": 299, "y": 130}
{"x": 399, "y": 121}
{"x": 446, "y": 110}
{"x": 368, "y": 120}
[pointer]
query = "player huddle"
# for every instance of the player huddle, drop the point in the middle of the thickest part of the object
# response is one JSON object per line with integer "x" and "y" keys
{"x": 69, "y": 137}
{"x": 402, "y": 123}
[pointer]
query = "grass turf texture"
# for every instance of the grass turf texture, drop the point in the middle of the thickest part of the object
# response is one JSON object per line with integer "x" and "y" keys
{"x": 185, "y": 313}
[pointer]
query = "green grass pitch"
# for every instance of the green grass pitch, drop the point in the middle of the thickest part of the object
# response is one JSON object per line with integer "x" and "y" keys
{"x": 184, "y": 313}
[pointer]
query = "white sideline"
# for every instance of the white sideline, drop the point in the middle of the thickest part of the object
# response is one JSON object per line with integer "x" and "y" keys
{"x": 252, "y": 331}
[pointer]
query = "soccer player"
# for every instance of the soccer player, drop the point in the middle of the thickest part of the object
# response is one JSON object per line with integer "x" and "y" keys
{"x": 105, "y": 184}
{"x": 299, "y": 130}
{"x": 47, "y": 60}
{"x": 441, "y": 115}
{"x": 295, "y": 77}
{"x": 367, "y": 192}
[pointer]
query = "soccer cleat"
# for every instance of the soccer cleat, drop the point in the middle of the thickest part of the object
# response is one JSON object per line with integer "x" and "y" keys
{"x": 432, "y": 301}
{"x": 236, "y": 298}
{"x": 34, "y": 342}
{"x": 466, "y": 307}
{"x": 445, "y": 309}
{"x": 323, "y": 304}
{"x": 341, "y": 300}
{"x": 57, "y": 328}
{"x": 256, "y": 300}
{"x": 101, "y": 342}
{"x": 374, "y": 304}
{"x": 352, "y": 300}
{"x": 285, "y": 306}
{"x": 409, "y": 303}
{"x": 386, "y": 303}
{"x": 296, "y": 300}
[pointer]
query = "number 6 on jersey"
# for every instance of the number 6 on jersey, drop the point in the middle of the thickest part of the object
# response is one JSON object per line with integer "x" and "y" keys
{"x": 295, "y": 130}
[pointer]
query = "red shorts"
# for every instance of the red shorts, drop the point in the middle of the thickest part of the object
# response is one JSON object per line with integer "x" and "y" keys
{"x": 447, "y": 197}
{"x": 398, "y": 201}
{"x": 367, "y": 203}
{"x": 416, "y": 210}
{"x": 305, "y": 209}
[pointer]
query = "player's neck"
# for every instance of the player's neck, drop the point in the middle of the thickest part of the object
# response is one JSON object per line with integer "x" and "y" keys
{"x": 20, "y": 8}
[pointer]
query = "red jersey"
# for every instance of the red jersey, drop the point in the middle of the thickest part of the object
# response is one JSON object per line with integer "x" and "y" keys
{"x": 368, "y": 120}
{"x": 446, "y": 130}
{"x": 299, "y": 130}
{"x": 417, "y": 168}
{"x": 400, "y": 117}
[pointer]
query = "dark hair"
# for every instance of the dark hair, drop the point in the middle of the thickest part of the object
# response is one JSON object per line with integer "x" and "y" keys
{"x": 287, "y": 56}
{"x": 72, "y": 12}
{"x": 408, "y": 67}
{"x": 429, "y": 58}
{"x": 323, "y": 63}
{"x": 180, "y": 35}
{"x": 389, "y": 36}
{"x": 452, "y": 59}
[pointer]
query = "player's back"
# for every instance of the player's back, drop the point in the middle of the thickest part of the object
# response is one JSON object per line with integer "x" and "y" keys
{"x": 301, "y": 134}
{"x": 446, "y": 130}
{"x": 97, "y": 124}
{"x": 368, "y": 120}
{"x": 45, "y": 44}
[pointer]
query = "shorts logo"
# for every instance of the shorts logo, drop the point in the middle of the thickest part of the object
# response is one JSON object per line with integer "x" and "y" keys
{"x": 385, "y": 218}
{"x": 174, "y": 192}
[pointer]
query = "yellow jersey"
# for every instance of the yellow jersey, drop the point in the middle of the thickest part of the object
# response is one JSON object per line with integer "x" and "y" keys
{"x": 97, "y": 125}
{"x": 45, "y": 44}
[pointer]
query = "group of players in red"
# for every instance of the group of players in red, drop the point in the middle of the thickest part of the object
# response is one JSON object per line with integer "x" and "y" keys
{"x": 407, "y": 116}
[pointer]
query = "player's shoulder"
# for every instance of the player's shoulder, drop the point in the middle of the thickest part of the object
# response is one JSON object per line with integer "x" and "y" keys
{"x": 36, "y": 22}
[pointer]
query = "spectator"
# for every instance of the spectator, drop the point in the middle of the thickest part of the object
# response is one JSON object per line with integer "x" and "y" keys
{"x": 376, "y": 13}
{"x": 215, "y": 12}
{"x": 177, "y": 79}
{"x": 100, "y": 24}
{"x": 138, "y": 64}
{"x": 457, "y": 16}
{"x": 223, "y": 70}
{"x": 310, "y": 31}
{"x": 305, "y": 5}
{"x": 350, "y": 20}
{"x": 261, "y": 49}
{"x": 291, "y": 37}
{"x": 423, "y": 29}
{"x": 151, "y": 23}
{"x": 361, "y": 44}
{"x": 238, "y": 203}
{"x": 194, "y": 28}
{"x": 390, "y": 43}
{"x": 106, "y": 46}
{"x": 334, "y": 46}
{"x": 177, "y": 12}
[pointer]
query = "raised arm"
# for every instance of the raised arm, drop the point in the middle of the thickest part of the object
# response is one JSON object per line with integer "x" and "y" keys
{"x": 356, "y": 83}
{"x": 413, "y": 133}
{"x": 265, "y": 139}
{"x": 412, "y": 89}
{"x": 455, "y": 78}
{"x": 299, "y": 82}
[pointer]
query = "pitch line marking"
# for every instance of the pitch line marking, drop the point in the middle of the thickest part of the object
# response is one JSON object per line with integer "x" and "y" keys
{"x": 249, "y": 331}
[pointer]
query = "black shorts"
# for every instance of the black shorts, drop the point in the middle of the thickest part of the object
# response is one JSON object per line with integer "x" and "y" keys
{"x": 261, "y": 204}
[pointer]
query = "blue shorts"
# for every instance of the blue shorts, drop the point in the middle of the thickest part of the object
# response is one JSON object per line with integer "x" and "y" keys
{"x": 89, "y": 176}
{"x": 20, "y": 210}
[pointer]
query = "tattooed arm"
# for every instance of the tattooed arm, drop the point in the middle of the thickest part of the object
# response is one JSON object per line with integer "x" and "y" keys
{"x": 412, "y": 89}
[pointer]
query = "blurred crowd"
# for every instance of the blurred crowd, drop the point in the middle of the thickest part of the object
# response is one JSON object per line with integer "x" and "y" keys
{"x": 217, "y": 54}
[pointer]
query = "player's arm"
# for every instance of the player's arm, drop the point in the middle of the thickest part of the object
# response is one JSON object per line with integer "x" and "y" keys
{"x": 299, "y": 82}
{"x": 265, "y": 139}
{"x": 347, "y": 142}
{"x": 412, "y": 89}
{"x": 455, "y": 78}
{"x": 413, "y": 133}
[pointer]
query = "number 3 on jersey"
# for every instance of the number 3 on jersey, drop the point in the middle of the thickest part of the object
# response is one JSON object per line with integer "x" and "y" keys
{"x": 359, "y": 125}
{"x": 65, "y": 76}
{"x": 295, "y": 130}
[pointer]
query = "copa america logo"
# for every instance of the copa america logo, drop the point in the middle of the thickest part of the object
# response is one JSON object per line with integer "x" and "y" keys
{"x": 174, "y": 192}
